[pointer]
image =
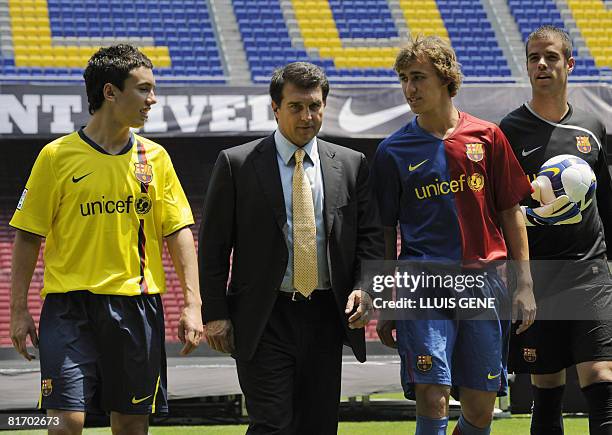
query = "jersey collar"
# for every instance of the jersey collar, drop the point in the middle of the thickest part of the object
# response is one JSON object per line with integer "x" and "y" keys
{"x": 98, "y": 148}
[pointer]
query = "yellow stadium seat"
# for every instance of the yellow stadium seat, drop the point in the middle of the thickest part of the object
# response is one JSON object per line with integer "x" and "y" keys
{"x": 75, "y": 62}
{"x": 20, "y": 50}
{"x": 327, "y": 44}
{"x": 41, "y": 21}
{"x": 164, "y": 61}
{"x": 72, "y": 50}
{"x": 27, "y": 11}
{"x": 60, "y": 51}
{"x": 87, "y": 51}
{"x": 20, "y": 40}
{"x": 34, "y": 50}
{"x": 26, "y": 61}
{"x": 19, "y": 30}
{"x": 47, "y": 61}
{"x": 46, "y": 50}
{"x": 341, "y": 62}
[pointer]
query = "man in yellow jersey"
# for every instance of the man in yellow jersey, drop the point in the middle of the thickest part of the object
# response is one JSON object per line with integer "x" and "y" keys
{"x": 105, "y": 200}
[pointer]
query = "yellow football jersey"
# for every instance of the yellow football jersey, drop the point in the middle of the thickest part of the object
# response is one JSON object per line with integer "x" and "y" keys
{"x": 104, "y": 216}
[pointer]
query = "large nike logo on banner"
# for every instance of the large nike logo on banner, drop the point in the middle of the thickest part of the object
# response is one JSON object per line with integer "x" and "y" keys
{"x": 354, "y": 123}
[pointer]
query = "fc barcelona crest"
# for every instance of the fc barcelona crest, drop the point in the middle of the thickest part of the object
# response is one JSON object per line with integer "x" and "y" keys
{"x": 424, "y": 363}
{"x": 46, "y": 387}
{"x": 529, "y": 354}
{"x": 474, "y": 151}
{"x": 583, "y": 144}
{"x": 143, "y": 172}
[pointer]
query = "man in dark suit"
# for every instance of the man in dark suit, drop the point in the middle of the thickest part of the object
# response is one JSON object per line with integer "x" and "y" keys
{"x": 298, "y": 215}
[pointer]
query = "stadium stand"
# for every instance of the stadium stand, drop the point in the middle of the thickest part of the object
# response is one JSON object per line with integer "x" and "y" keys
{"x": 354, "y": 40}
{"x": 593, "y": 20}
{"x": 56, "y": 37}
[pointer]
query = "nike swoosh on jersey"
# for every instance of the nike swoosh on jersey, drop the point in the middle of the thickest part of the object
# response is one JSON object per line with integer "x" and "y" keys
{"x": 353, "y": 123}
{"x": 490, "y": 376}
{"x": 76, "y": 180}
{"x": 412, "y": 167}
{"x": 526, "y": 153}
{"x": 136, "y": 401}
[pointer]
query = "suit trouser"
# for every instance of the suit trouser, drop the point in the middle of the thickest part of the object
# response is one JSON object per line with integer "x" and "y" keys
{"x": 292, "y": 383}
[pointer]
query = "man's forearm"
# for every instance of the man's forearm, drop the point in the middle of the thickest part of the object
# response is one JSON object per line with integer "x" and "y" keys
{"x": 182, "y": 251}
{"x": 25, "y": 254}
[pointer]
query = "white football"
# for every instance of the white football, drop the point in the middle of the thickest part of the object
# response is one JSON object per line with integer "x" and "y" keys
{"x": 565, "y": 175}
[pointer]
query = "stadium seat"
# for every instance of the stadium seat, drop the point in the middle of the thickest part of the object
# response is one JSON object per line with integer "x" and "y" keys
{"x": 530, "y": 15}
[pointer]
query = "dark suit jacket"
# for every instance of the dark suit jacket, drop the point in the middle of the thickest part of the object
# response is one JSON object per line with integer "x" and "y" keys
{"x": 244, "y": 210}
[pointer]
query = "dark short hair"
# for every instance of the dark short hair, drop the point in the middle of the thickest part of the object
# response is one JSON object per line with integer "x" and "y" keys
{"x": 438, "y": 52}
{"x": 304, "y": 75}
{"x": 551, "y": 32}
{"x": 111, "y": 65}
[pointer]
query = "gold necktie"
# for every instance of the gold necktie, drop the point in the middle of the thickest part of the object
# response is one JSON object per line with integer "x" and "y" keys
{"x": 305, "y": 273}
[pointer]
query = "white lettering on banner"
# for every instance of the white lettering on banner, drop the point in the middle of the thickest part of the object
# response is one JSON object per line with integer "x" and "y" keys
{"x": 224, "y": 113}
{"x": 24, "y": 116}
{"x": 188, "y": 110}
{"x": 156, "y": 123}
{"x": 262, "y": 118}
{"x": 62, "y": 107}
{"x": 187, "y": 121}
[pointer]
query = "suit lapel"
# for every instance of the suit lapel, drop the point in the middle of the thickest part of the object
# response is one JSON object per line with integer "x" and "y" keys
{"x": 332, "y": 179}
{"x": 266, "y": 167}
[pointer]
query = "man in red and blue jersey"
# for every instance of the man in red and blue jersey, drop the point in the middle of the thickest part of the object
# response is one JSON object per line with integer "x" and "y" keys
{"x": 454, "y": 185}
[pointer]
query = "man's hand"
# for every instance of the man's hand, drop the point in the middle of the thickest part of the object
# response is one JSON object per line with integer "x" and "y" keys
{"x": 559, "y": 212}
{"x": 220, "y": 335}
{"x": 384, "y": 329}
{"x": 361, "y": 316}
{"x": 23, "y": 325}
{"x": 523, "y": 301}
{"x": 190, "y": 328}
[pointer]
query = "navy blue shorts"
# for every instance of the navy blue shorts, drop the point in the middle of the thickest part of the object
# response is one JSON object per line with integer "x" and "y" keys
{"x": 458, "y": 353}
{"x": 101, "y": 353}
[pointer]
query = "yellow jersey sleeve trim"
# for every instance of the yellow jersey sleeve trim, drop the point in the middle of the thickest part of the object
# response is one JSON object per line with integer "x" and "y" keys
{"x": 27, "y": 229}
{"x": 178, "y": 227}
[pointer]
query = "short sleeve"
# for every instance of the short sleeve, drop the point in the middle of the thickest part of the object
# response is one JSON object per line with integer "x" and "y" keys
{"x": 511, "y": 185}
{"x": 176, "y": 212}
{"x": 386, "y": 186}
{"x": 40, "y": 199}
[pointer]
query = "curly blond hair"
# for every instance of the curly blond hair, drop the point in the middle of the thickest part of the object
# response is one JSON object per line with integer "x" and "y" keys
{"x": 441, "y": 55}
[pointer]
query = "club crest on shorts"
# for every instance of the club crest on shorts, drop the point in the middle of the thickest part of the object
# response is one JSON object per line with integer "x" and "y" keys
{"x": 529, "y": 354}
{"x": 424, "y": 363}
{"x": 583, "y": 144}
{"x": 474, "y": 151}
{"x": 476, "y": 182}
{"x": 46, "y": 387}
{"x": 143, "y": 172}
